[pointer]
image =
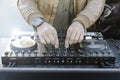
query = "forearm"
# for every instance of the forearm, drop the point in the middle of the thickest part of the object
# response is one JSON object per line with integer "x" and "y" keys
{"x": 91, "y": 13}
{"x": 29, "y": 10}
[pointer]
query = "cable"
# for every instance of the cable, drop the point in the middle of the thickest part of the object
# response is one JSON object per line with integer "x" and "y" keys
{"x": 115, "y": 44}
{"x": 13, "y": 64}
{"x": 107, "y": 65}
{"x": 10, "y": 63}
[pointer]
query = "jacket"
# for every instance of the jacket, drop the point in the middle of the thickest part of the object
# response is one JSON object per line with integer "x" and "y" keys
{"x": 85, "y": 11}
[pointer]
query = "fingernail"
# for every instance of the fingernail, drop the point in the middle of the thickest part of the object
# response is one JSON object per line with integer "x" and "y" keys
{"x": 56, "y": 46}
{"x": 66, "y": 46}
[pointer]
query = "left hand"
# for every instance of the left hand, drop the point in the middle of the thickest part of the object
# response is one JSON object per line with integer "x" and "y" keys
{"x": 75, "y": 34}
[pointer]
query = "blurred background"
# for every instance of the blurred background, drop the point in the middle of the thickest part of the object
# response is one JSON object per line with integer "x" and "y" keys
{"x": 11, "y": 19}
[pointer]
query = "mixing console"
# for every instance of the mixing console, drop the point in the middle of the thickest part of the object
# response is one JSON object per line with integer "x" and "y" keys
{"x": 26, "y": 49}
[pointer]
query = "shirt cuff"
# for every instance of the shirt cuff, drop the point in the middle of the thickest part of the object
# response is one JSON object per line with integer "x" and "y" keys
{"x": 84, "y": 20}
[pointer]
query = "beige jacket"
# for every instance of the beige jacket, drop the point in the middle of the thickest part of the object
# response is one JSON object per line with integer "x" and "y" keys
{"x": 86, "y": 11}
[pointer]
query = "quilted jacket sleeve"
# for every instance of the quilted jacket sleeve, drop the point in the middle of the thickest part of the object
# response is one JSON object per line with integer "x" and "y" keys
{"x": 89, "y": 15}
{"x": 28, "y": 9}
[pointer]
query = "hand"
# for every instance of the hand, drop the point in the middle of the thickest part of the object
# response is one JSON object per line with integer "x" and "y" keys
{"x": 48, "y": 34}
{"x": 75, "y": 34}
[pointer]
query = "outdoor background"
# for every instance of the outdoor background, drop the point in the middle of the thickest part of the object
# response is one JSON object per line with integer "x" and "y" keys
{"x": 11, "y": 19}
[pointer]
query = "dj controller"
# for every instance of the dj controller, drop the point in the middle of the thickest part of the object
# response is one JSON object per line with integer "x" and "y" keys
{"x": 26, "y": 49}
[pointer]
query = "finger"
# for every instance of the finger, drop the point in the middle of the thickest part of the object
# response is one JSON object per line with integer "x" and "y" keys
{"x": 77, "y": 37}
{"x": 72, "y": 38}
{"x": 56, "y": 42}
{"x": 51, "y": 37}
{"x": 81, "y": 38}
{"x": 42, "y": 40}
{"x": 66, "y": 44}
{"x": 69, "y": 32}
{"x": 46, "y": 38}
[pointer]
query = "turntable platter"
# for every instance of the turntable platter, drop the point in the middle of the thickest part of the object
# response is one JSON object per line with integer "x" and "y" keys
{"x": 93, "y": 45}
{"x": 23, "y": 44}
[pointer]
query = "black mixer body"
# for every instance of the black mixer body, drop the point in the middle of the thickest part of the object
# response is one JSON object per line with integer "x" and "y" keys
{"x": 26, "y": 49}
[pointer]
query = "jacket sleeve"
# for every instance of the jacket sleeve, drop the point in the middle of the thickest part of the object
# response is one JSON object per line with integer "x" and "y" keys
{"x": 28, "y": 9}
{"x": 89, "y": 15}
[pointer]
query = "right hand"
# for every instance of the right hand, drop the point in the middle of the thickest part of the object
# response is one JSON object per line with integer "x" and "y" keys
{"x": 48, "y": 34}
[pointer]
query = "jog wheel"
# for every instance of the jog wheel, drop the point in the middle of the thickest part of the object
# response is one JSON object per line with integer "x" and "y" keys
{"x": 23, "y": 44}
{"x": 93, "y": 45}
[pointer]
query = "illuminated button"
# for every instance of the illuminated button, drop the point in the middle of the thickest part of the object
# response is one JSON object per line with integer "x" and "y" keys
{"x": 49, "y": 61}
{"x": 71, "y": 61}
{"x": 63, "y": 61}
{"x": 58, "y": 61}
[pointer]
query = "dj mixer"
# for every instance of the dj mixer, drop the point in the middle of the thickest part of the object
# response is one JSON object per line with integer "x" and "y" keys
{"x": 26, "y": 49}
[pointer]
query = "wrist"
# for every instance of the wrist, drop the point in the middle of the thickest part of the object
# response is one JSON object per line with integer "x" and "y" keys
{"x": 36, "y": 22}
{"x": 81, "y": 25}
